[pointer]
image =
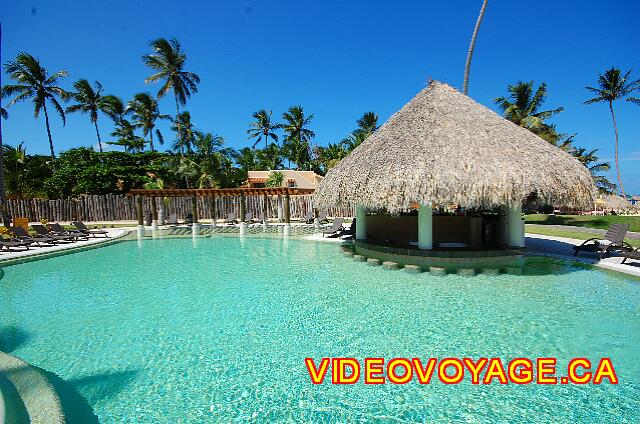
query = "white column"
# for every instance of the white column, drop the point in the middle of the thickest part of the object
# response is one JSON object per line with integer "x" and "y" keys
{"x": 515, "y": 226}
{"x": 361, "y": 222}
{"x": 425, "y": 227}
{"x": 280, "y": 212}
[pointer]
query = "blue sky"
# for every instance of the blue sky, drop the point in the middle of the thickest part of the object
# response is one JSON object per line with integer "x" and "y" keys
{"x": 338, "y": 59}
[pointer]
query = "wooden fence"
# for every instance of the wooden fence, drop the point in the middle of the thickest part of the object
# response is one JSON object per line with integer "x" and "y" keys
{"x": 117, "y": 207}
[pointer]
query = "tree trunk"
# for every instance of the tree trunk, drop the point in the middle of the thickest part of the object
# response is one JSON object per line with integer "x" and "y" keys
{"x": 179, "y": 124}
{"x": 151, "y": 147}
{"x": 6, "y": 219}
{"x": 615, "y": 127}
{"x": 46, "y": 119}
{"x": 98, "y": 134}
{"x": 472, "y": 44}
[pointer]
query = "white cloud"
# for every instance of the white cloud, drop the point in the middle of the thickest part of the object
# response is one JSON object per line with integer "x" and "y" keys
{"x": 631, "y": 156}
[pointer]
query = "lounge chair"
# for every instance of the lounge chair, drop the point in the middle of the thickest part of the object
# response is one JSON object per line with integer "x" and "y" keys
{"x": 351, "y": 231}
{"x": 59, "y": 230}
{"x": 633, "y": 255}
{"x": 308, "y": 218}
{"x": 335, "y": 230}
{"x": 231, "y": 219}
{"x": 92, "y": 232}
{"x": 255, "y": 221}
{"x": 173, "y": 219}
{"x": 322, "y": 217}
{"x": 12, "y": 243}
{"x": 613, "y": 240}
{"x": 41, "y": 230}
{"x": 23, "y": 235}
{"x": 249, "y": 218}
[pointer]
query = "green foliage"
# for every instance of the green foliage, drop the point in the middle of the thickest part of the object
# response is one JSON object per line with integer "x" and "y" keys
{"x": 84, "y": 171}
{"x": 24, "y": 173}
{"x": 523, "y": 107}
{"x": 590, "y": 221}
{"x": 276, "y": 179}
{"x": 298, "y": 136}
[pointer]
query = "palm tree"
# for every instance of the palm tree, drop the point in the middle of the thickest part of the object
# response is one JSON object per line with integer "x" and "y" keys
{"x": 114, "y": 108}
{"x": 14, "y": 159}
{"x": 145, "y": 113}
{"x": 612, "y": 86}
{"x": 4, "y": 210}
{"x": 262, "y": 127}
{"x": 472, "y": 45}
{"x": 35, "y": 84}
{"x": 522, "y": 107}
{"x": 89, "y": 100}
{"x": 367, "y": 124}
{"x": 125, "y": 137}
{"x": 186, "y": 135}
{"x": 352, "y": 141}
{"x": 298, "y": 136}
{"x": 168, "y": 60}
{"x": 269, "y": 158}
{"x": 591, "y": 161}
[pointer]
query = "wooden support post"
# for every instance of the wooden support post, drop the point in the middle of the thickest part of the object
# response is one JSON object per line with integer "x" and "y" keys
{"x": 287, "y": 207}
{"x": 194, "y": 209}
{"x": 212, "y": 208}
{"x": 243, "y": 208}
{"x": 139, "y": 213}
{"x": 265, "y": 209}
{"x": 154, "y": 210}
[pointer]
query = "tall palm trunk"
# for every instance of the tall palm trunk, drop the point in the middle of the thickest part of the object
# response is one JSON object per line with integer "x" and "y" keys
{"x": 4, "y": 211}
{"x": 615, "y": 128}
{"x": 98, "y": 134}
{"x": 46, "y": 119}
{"x": 179, "y": 124}
{"x": 151, "y": 147}
{"x": 186, "y": 178}
{"x": 467, "y": 66}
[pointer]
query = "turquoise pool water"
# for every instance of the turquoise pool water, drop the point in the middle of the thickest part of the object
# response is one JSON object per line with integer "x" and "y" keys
{"x": 175, "y": 332}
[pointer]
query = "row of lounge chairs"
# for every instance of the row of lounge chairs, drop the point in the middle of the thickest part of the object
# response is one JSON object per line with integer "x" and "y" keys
{"x": 232, "y": 219}
{"x": 44, "y": 236}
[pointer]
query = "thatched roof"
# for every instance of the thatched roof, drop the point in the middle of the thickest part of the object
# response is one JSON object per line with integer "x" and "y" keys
{"x": 444, "y": 147}
{"x": 614, "y": 202}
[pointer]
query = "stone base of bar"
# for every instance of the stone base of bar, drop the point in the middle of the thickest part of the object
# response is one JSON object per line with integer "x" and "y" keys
{"x": 449, "y": 259}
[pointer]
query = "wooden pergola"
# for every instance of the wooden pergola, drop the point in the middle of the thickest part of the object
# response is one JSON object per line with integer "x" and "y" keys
{"x": 241, "y": 192}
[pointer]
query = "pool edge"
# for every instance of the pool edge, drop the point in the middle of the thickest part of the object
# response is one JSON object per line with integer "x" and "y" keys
{"x": 39, "y": 398}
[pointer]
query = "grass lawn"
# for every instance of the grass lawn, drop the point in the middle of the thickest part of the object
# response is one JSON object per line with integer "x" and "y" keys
{"x": 558, "y": 232}
{"x": 589, "y": 221}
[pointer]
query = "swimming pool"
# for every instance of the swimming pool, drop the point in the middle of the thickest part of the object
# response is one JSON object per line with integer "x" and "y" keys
{"x": 217, "y": 329}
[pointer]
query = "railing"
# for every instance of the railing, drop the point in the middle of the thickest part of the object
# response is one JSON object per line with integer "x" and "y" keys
{"x": 116, "y": 207}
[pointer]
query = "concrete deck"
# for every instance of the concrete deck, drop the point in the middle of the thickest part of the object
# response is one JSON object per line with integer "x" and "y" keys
{"x": 16, "y": 255}
{"x": 562, "y": 248}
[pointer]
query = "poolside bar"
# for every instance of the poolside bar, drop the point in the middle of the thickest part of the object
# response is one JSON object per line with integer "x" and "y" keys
{"x": 446, "y": 174}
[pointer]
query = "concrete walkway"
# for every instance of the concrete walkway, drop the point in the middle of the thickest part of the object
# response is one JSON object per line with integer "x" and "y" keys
{"x": 17, "y": 255}
{"x": 562, "y": 247}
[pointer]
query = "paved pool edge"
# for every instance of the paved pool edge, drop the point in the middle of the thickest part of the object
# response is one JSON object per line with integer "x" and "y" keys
{"x": 38, "y": 396}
